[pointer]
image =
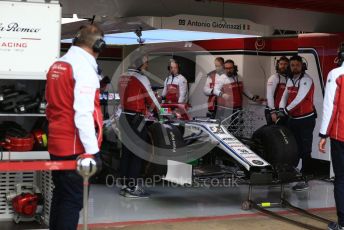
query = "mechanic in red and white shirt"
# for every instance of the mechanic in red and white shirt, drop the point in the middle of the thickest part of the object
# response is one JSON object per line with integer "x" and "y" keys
{"x": 210, "y": 83}
{"x": 137, "y": 99}
{"x": 332, "y": 126}
{"x": 229, "y": 89}
{"x": 175, "y": 86}
{"x": 75, "y": 121}
{"x": 297, "y": 103}
{"x": 275, "y": 88}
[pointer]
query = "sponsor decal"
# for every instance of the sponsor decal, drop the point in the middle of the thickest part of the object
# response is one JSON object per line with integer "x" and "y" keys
{"x": 59, "y": 67}
{"x": 258, "y": 162}
{"x": 244, "y": 151}
{"x": 107, "y": 96}
{"x": 231, "y": 139}
{"x": 237, "y": 145}
{"x": 173, "y": 139}
{"x": 284, "y": 137}
{"x": 13, "y": 44}
{"x": 15, "y": 27}
{"x": 216, "y": 129}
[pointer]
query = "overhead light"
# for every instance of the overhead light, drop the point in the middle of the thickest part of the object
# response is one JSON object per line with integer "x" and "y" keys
{"x": 113, "y": 31}
{"x": 134, "y": 23}
{"x": 73, "y": 19}
{"x": 164, "y": 35}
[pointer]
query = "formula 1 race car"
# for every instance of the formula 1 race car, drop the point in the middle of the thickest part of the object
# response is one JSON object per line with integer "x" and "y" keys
{"x": 203, "y": 148}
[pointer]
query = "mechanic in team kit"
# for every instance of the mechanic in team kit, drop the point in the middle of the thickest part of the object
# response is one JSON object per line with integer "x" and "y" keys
{"x": 137, "y": 99}
{"x": 332, "y": 126}
{"x": 275, "y": 88}
{"x": 75, "y": 121}
{"x": 229, "y": 89}
{"x": 297, "y": 104}
{"x": 210, "y": 83}
{"x": 175, "y": 86}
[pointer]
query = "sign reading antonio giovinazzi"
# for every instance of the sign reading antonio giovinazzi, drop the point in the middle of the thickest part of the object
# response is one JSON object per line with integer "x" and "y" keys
{"x": 15, "y": 27}
{"x": 218, "y": 25}
{"x": 209, "y": 24}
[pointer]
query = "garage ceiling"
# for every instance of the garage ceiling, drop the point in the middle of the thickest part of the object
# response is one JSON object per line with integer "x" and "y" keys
{"x": 297, "y": 15}
{"x": 332, "y": 6}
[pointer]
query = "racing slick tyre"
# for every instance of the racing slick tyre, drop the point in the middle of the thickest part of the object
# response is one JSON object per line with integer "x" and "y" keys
{"x": 277, "y": 145}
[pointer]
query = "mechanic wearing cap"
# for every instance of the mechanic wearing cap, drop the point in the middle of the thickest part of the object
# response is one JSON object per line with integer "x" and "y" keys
{"x": 275, "y": 88}
{"x": 210, "y": 83}
{"x": 229, "y": 89}
{"x": 137, "y": 99}
{"x": 297, "y": 103}
{"x": 332, "y": 126}
{"x": 175, "y": 86}
{"x": 75, "y": 121}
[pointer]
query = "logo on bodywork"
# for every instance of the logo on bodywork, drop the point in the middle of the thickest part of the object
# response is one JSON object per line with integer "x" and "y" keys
{"x": 258, "y": 162}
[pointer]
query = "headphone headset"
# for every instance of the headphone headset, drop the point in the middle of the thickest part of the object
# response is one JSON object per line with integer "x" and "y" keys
{"x": 98, "y": 45}
{"x": 277, "y": 65}
{"x": 304, "y": 65}
{"x": 341, "y": 54}
{"x": 235, "y": 71}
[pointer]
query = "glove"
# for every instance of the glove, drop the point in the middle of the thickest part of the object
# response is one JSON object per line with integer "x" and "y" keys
{"x": 282, "y": 117}
{"x": 99, "y": 162}
{"x": 282, "y": 113}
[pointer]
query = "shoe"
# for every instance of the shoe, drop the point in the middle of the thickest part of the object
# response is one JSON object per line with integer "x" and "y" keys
{"x": 142, "y": 191}
{"x": 124, "y": 190}
{"x": 334, "y": 226}
{"x": 136, "y": 192}
{"x": 301, "y": 186}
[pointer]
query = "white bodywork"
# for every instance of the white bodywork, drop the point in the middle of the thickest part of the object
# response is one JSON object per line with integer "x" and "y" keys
{"x": 227, "y": 142}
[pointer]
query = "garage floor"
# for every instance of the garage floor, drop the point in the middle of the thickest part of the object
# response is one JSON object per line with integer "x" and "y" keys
{"x": 180, "y": 203}
{"x": 196, "y": 208}
{"x": 244, "y": 223}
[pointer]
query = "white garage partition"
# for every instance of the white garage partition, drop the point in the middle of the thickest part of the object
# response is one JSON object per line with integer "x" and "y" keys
{"x": 30, "y": 34}
{"x": 29, "y": 38}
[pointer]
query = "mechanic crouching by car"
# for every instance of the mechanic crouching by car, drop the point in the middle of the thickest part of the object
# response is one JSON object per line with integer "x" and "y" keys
{"x": 297, "y": 104}
{"x": 209, "y": 86}
{"x": 275, "y": 88}
{"x": 332, "y": 126}
{"x": 229, "y": 89}
{"x": 75, "y": 121}
{"x": 175, "y": 86}
{"x": 137, "y": 99}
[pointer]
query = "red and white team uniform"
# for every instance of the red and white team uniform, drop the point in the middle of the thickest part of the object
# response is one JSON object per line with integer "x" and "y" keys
{"x": 73, "y": 107}
{"x": 136, "y": 93}
{"x": 297, "y": 98}
{"x": 175, "y": 89}
{"x": 332, "y": 124}
{"x": 209, "y": 89}
{"x": 234, "y": 87}
{"x": 275, "y": 89}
